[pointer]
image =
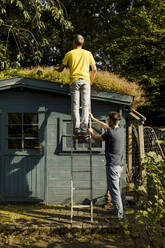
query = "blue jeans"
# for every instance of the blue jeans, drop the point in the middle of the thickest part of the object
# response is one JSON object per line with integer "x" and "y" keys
{"x": 113, "y": 184}
{"x": 80, "y": 87}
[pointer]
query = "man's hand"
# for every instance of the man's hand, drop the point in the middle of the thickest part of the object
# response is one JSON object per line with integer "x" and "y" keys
{"x": 95, "y": 137}
{"x": 91, "y": 116}
{"x": 90, "y": 131}
{"x": 100, "y": 123}
{"x": 59, "y": 68}
{"x": 56, "y": 68}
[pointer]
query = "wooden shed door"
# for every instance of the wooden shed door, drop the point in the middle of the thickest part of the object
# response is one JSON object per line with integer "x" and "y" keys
{"x": 22, "y": 160}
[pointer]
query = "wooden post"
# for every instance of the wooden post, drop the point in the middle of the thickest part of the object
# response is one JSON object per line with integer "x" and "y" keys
{"x": 130, "y": 152}
{"x": 141, "y": 147}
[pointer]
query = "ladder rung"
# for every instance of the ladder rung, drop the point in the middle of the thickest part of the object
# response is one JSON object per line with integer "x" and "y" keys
{"x": 68, "y": 135}
{"x": 81, "y": 188}
{"x": 85, "y": 151}
{"x": 78, "y": 136}
{"x": 77, "y": 153}
{"x": 81, "y": 206}
{"x": 82, "y": 171}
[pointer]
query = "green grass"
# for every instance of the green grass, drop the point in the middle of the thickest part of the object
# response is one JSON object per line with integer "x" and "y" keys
{"x": 104, "y": 81}
{"x": 33, "y": 225}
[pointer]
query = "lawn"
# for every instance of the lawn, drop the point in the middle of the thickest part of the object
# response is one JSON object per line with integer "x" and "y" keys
{"x": 49, "y": 226}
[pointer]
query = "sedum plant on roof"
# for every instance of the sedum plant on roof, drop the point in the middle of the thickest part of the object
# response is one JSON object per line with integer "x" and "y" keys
{"x": 104, "y": 81}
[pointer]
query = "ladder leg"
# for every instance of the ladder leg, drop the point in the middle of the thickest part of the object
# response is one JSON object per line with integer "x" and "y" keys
{"x": 91, "y": 185}
{"x": 71, "y": 175}
{"x": 91, "y": 196}
{"x": 91, "y": 174}
{"x": 71, "y": 215}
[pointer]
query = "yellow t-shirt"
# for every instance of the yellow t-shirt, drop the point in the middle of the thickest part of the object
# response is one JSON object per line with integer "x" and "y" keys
{"x": 79, "y": 61}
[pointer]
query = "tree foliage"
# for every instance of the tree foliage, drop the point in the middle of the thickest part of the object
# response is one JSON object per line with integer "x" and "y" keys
{"x": 128, "y": 38}
{"x": 29, "y": 30}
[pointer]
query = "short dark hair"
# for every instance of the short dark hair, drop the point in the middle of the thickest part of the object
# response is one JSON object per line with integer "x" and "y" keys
{"x": 114, "y": 116}
{"x": 78, "y": 39}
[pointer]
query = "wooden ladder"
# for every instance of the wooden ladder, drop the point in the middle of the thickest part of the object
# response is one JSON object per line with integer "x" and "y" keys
{"x": 73, "y": 171}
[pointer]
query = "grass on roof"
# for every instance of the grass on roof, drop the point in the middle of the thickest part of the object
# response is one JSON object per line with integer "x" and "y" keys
{"x": 104, "y": 81}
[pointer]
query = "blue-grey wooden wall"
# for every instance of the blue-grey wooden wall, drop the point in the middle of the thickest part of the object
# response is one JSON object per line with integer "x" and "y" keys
{"x": 46, "y": 176}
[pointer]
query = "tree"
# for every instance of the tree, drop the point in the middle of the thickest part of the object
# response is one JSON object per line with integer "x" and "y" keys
{"x": 29, "y": 29}
{"x": 128, "y": 38}
{"x": 141, "y": 51}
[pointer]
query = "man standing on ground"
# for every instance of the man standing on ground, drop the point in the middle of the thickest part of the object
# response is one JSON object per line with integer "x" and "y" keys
{"x": 79, "y": 62}
{"x": 114, "y": 154}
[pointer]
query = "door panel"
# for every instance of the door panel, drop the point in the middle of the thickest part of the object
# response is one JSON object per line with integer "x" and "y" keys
{"x": 22, "y": 153}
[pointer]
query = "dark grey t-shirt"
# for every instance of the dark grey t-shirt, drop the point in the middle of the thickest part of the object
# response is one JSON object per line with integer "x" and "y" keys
{"x": 114, "y": 146}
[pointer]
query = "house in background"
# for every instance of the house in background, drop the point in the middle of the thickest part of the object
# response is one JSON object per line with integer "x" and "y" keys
{"x": 35, "y": 124}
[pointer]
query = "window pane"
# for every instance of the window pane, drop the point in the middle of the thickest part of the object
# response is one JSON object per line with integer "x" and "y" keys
{"x": 14, "y": 131}
{"x": 30, "y": 118}
{"x": 68, "y": 128}
{"x": 23, "y": 125}
{"x": 68, "y": 141}
{"x": 30, "y": 131}
{"x": 80, "y": 145}
{"x": 97, "y": 144}
{"x": 14, "y": 118}
{"x": 14, "y": 144}
{"x": 68, "y": 132}
{"x": 31, "y": 144}
{"x": 83, "y": 143}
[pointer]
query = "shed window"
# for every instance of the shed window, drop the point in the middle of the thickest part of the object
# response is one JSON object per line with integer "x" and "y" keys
{"x": 80, "y": 144}
{"x": 23, "y": 131}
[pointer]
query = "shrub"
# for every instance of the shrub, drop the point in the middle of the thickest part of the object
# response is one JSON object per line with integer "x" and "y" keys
{"x": 147, "y": 223}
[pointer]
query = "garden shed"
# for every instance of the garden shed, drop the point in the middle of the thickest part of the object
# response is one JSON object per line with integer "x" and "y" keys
{"x": 35, "y": 123}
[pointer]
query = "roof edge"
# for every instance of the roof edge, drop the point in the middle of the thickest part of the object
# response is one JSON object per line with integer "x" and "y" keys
{"x": 57, "y": 87}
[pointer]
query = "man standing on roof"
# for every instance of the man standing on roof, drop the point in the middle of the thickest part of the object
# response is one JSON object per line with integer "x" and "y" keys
{"x": 114, "y": 154}
{"x": 79, "y": 61}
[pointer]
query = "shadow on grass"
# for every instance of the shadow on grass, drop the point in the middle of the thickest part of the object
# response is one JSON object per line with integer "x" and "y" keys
{"x": 31, "y": 221}
{"x": 48, "y": 215}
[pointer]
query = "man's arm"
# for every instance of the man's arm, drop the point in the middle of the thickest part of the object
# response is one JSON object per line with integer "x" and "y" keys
{"x": 100, "y": 123}
{"x": 59, "y": 68}
{"x": 93, "y": 73}
{"x": 95, "y": 137}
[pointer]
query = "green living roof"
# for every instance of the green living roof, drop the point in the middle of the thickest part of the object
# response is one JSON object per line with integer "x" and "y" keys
{"x": 53, "y": 87}
{"x": 107, "y": 86}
